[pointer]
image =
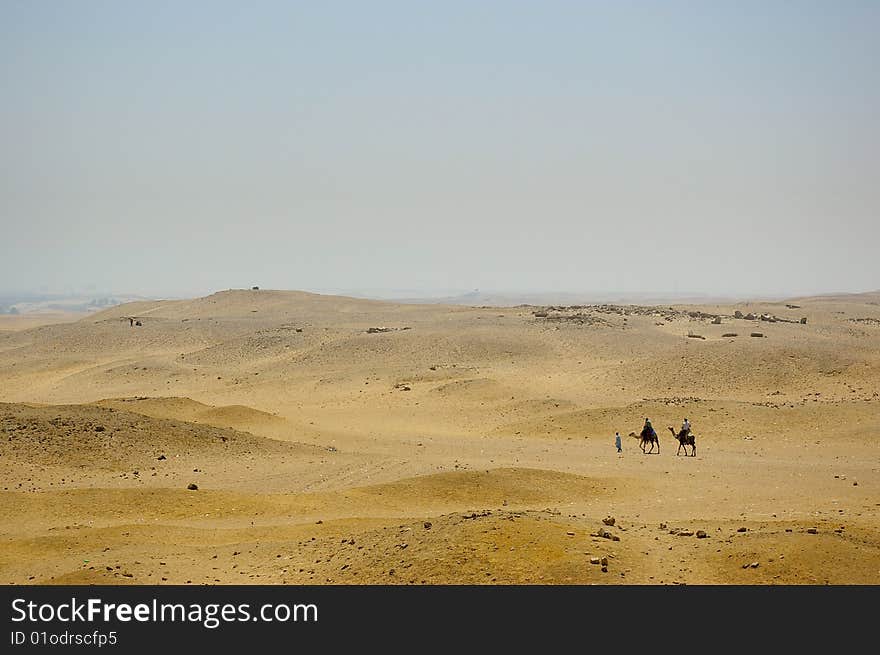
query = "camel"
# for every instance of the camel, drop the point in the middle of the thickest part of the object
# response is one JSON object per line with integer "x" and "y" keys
{"x": 649, "y": 438}
{"x": 684, "y": 441}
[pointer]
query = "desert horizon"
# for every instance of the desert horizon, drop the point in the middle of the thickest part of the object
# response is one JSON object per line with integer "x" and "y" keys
{"x": 329, "y": 305}
{"x": 260, "y": 436}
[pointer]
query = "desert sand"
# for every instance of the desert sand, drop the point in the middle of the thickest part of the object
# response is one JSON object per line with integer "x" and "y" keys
{"x": 343, "y": 441}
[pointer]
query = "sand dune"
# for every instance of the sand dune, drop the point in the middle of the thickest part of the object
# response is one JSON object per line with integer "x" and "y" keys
{"x": 447, "y": 444}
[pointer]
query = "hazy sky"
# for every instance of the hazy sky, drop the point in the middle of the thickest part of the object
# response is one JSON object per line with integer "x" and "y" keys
{"x": 183, "y": 147}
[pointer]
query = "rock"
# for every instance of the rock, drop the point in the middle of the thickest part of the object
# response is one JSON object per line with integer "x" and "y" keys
{"x": 750, "y": 317}
{"x": 746, "y": 565}
{"x": 729, "y": 334}
{"x": 662, "y": 526}
{"x": 701, "y": 534}
{"x": 608, "y": 520}
{"x": 691, "y": 335}
{"x": 812, "y": 531}
{"x": 804, "y": 320}
{"x": 161, "y": 457}
{"x": 855, "y": 484}
{"x": 540, "y": 314}
{"x": 686, "y": 533}
{"x": 604, "y": 569}
{"x": 99, "y": 428}
{"x": 192, "y": 486}
{"x": 569, "y": 533}
{"x": 737, "y": 314}
{"x": 754, "y": 565}
{"x": 716, "y": 320}
{"x": 594, "y": 560}
{"x": 427, "y": 525}
{"x": 756, "y": 334}
{"x": 604, "y": 561}
{"x": 605, "y": 534}
{"x": 742, "y": 529}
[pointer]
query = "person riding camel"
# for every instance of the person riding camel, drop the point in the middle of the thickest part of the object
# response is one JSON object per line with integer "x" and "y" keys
{"x": 685, "y": 428}
{"x": 648, "y": 430}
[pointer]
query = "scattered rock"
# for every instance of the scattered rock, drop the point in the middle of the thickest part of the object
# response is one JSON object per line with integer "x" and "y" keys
{"x": 686, "y": 533}
{"x": 99, "y": 428}
{"x": 695, "y": 336}
{"x": 701, "y": 534}
{"x": 756, "y": 334}
{"x": 427, "y": 525}
{"x": 608, "y": 520}
{"x": 192, "y": 486}
{"x": 737, "y": 314}
{"x": 662, "y": 526}
{"x": 716, "y": 320}
{"x": 742, "y": 529}
{"x": 605, "y": 534}
{"x": 812, "y": 531}
{"x": 570, "y": 534}
{"x": 754, "y": 565}
{"x": 594, "y": 560}
{"x": 161, "y": 457}
{"x": 729, "y": 334}
{"x": 804, "y": 320}
{"x": 604, "y": 561}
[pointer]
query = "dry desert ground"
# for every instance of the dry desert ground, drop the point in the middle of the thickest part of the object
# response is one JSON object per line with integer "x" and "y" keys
{"x": 451, "y": 445}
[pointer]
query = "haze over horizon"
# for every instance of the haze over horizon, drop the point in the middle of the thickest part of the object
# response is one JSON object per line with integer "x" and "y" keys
{"x": 160, "y": 149}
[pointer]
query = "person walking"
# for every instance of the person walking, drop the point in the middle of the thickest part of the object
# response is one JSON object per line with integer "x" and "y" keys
{"x": 617, "y": 442}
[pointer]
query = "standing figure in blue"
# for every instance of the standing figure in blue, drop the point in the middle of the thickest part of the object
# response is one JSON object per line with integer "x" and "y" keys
{"x": 617, "y": 442}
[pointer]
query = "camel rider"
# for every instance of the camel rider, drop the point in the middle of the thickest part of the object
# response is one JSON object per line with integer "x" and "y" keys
{"x": 648, "y": 430}
{"x": 685, "y": 428}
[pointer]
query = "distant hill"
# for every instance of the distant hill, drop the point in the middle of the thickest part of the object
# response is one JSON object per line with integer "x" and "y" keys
{"x": 39, "y": 304}
{"x": 512, "y": 299}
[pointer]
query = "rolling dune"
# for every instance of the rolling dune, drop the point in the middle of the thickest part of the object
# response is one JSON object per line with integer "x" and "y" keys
{"x": 345, "y": 441}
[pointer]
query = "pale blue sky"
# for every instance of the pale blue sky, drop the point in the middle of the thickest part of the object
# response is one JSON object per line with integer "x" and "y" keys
{"x": 182, "y": 147}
